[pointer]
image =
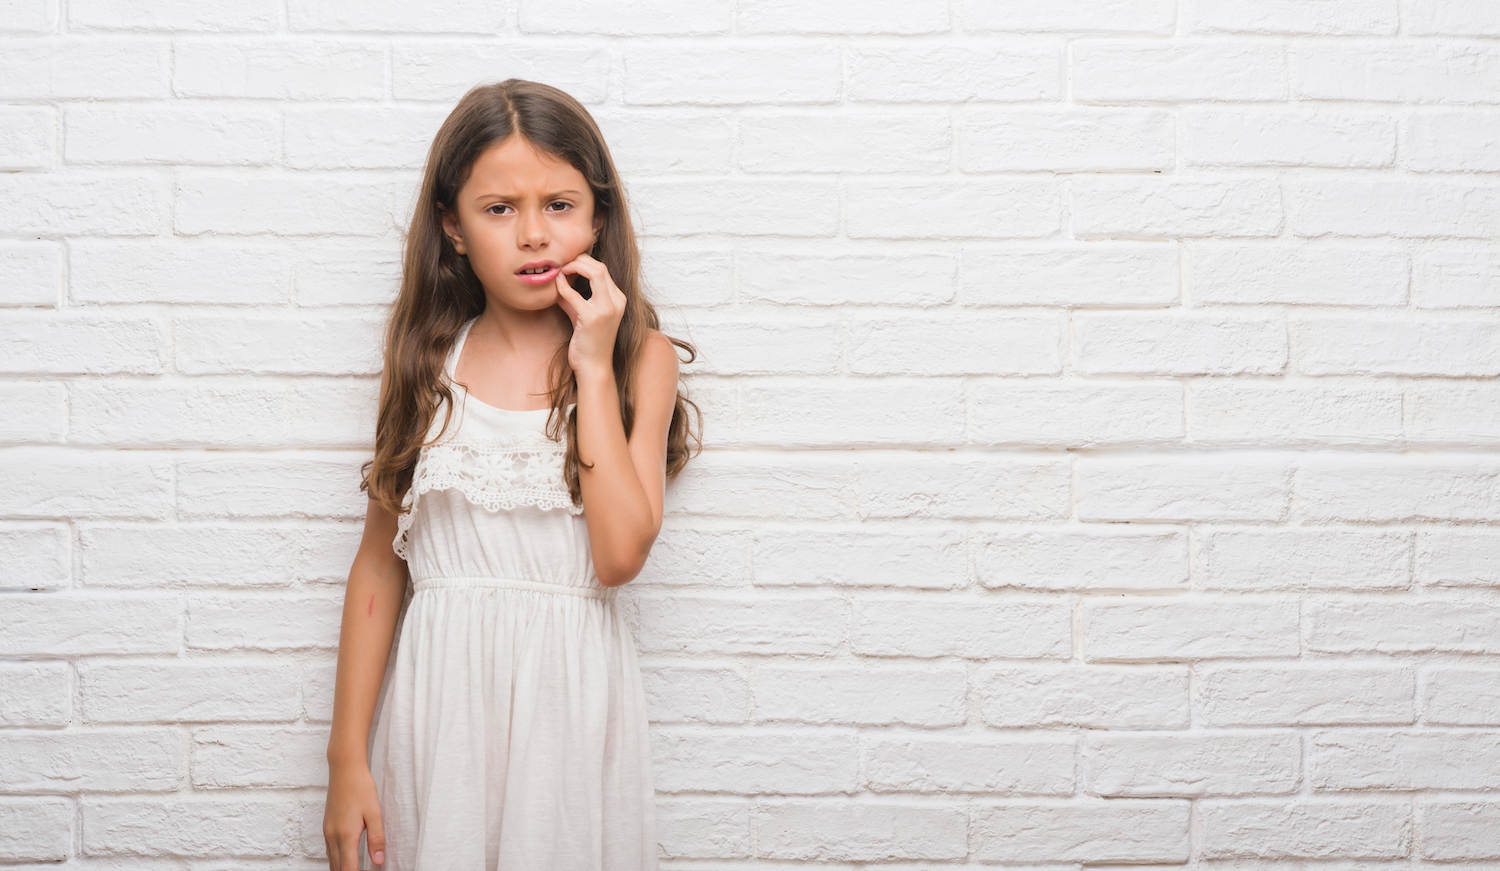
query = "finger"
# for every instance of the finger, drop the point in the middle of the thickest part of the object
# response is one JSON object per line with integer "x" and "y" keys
{"x": 571, "y": 301}
{"x": 349, "y": 852}
{"x": 589, "y": 268}
{"x": 375, "y": 839}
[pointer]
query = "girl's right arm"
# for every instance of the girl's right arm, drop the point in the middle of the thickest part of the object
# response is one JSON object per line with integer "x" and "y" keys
{"x": 372, "y": 601}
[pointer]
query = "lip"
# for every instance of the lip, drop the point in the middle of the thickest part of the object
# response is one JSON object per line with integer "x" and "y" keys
{"x": 539, "y": 278}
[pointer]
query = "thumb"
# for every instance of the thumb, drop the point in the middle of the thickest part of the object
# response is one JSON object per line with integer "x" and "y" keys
{"x": 375, "y": 839}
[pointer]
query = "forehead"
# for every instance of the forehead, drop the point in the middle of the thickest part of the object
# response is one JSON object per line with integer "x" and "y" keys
{"x": 515, "y": 166}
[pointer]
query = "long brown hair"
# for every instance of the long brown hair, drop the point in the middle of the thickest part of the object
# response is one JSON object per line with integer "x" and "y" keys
{"x": 440, "y": 293}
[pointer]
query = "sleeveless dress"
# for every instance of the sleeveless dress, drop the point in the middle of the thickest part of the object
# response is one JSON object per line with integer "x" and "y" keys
{"x": 511, "y": 730}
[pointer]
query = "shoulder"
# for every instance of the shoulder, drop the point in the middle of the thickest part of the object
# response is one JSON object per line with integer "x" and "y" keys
{"x": 658, "y": 359}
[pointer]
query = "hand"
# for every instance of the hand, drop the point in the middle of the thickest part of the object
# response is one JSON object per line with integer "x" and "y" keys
{"x": 352, "y": 807}
{"x": 596, "y": 320}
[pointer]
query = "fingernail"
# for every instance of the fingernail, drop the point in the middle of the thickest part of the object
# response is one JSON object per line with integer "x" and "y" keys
{"x": 379, "y": 857}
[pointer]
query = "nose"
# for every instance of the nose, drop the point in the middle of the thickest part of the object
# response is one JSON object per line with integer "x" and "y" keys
{"x": 531, "y": 230}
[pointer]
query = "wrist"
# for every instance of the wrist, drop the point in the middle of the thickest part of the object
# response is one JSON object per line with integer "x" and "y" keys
{"x": 597, "y": 375}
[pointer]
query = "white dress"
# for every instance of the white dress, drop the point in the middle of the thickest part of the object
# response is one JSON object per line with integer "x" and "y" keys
{"x": 511, "y": 730}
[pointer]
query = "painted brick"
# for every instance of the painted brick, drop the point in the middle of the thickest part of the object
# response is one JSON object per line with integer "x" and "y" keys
{"x": 1302, "y": 274}
{"x": 755, "y": 761}
{"x": 239, "y": 487}
{"x": 1022, "y": 413}
{"x": 1304, "y": 829}
{"x": 881, "y": 695}
{"x": 444, "y": 71}
{"x": 702, "y": 828}
{"x": 1054, "y": 140}
{"x": 853, "y": 412}
{"x": 69, "y": 344}
{"x": 1397, "y": 488}
{"x": 678, "y": 207}
{"x": 175, "y": 15}
{"x": 1330, "y": 18}
{"x": 1152, "y": 344}
{"x": 797, "y": 557}
{"x": 257, "y": 622}
{"x": 766, "y": 484}
{"x": 78, "y": 624}
{"x": 625, "y": 19}
{"x": 284, "y": 69}
{"x": 1193, "y": 764}
{"x": 28, "y": 137}
{"x": 1095, "y": 274}
{"x": 95, "y": 760}
{"x": 44, "y": 484}
{"x": 390, "y": 16}
{"x": 975, "y": 344}
{"x": 991, "y": 209}
{"x": 1178, "y": 71}
{"x": 35, "y": 694}
{"x": 37, "y": 556}
{"x": 1097, "y": 696}
{"x": 259, "y": 757}
{"x": 197, "y": 827}
{"x": 75, "y": 203}
{"x": 1457, "y": 558}
{"x": 1303, "y": 695}
{"x": 860, "y": 830}
{"x": 101, "y": 271}
{"x": 76, "y": 68}
{"x": 1095, "y": 16}
{"x": 956, "y": 71}
{"x": 363, "y": 138}
{"x": 1379, "y": 207}
{"x": 281, "y": 204}
{"x": 130, "y": 134}
{"x": 804, "y": 346}
{"x": 1249, "y": 414}
{"x": 1394, "y": 626}
{"x": 810, "y": 16}
{"x": 1454, "y": 17}
{"x": 236, "y": 555}
{"x": 1083, "y": 559}
{"x": 1349, "y": 759}
{"x": 1190, "y": 629}
{"x": 1447, "y": 277}
{"x": 1137, "y": 208}
{"x": 189, "y": 692}
{"x": 1454, "y": 141}
{"x": 317, "y": 694}
{"x": 36, "y": 829}
{"x": 731, "y": 74}
{"x": 30, "y": 273}
{"x": 931, "y": 485}
{"x": 329, "y": 275}
{"x": 644, "y": 142}
{"x": 1121, "y": 830}
{"x": 700, "y": 624}
{"x": 1425, "y": 71}
{"x": 30, "y": 16}
{"x": 773, "y": 276}
{"x": 987, "y": 765}
{"x": 36, "y": 412}
{"x": 1461, "y": 696}
{"x": 1247, "y": 486}
{"x": 332, "y": 345}
{"x": 1304, "y": 559}
{"x": 1457, "y": 830}
{"x": 691, "y": 693}
{"x": 844, "y": 142}
{"x": 973, "y": 628}
{"x": 1216, "y": 137}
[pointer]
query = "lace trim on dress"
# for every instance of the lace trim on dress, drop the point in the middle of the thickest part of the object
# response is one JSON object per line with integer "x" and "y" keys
{"x": 497, "y": 476}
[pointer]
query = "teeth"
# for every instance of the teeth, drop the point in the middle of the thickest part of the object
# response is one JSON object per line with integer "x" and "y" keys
{"x": 537, "y": 271}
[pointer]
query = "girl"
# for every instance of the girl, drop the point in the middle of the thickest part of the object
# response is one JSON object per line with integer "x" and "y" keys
{"x": 525, "y": 434}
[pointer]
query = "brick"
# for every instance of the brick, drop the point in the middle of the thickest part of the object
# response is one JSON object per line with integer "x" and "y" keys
{"x": 36, "y": 412}
{"x": 696, "y": 694}
{"x": 1179, "y": 344}
{"x": 1299, "y": 274}
{"x": 973, "y": 628}
{"x": 1412, "y": 209}
{"x": 765, "y": 484}
{"x": 36, "y": 557}
{"x": 974, "y": 344}
{"x": 956, "y": 71}
{"x": 283, "y": 205}
{"x": 1303, "y": 695}
{"x": 700, "y": 624}
{"x": 1097, "y": 696}
{"x": 78, "y": 624}
{"x": 1420, "y": 346}
{"x": 328, "y": 275}
{"x": 1328, "y": 18}
{"x": 974, "y": 208}
{"x": 625, "y": 19}
{"x": 362, "y": 138}
{"x": 859, "y": 830}
{"x": 863, "y": 278}
{"x": 1067, "y": 140}
{"x": 1215, "y": 137}
{"x": 57, "y": 204}
{"x": 929, "y": 696}
{"x": 844, "y": 142}
{"x": 279, "y": 69}
{"x": 1192, "y": 764}
{"x": 755, "y": 761}
{"x": 1246, "y": 414}
{"x": 44, "y": 484}
{"x": 1457, "y": 558}
{"x": 915, "y": 484}
{"x": 656, "y": 143}
{"x": 1456, "y": 830}
{"x": 801, "y": 346}
{"x": 1134, "y": 208}
{"x": 1452, "y": 141}
{"x": 252, "y": 757}
{"x": 703, "y": 828}
{"x": 70, "y": 344}
{"x": 1190, "y": 629}
{"x": 94, "y": 760}
{"x": 1083, "y": 559}
{"x": 993, "y": 766}
{"x": 262, "y": 622}
{"x": 28, "y": 137}
{"x": 1303, "y": 829}
{"x": 109, "y": 414}
{"x": 1461, "y": 696}
{"x": 108, "y": 271}
{"x": 36, "y": 829}
{"x": 1175, "y": 71}
{"x": 698, "y": 557}
{"x": 1096, "y": 16}
{"x": 800, "y": 557}
{"x": 173, "y": 15}
{"x": 681, "y": 207}
{"x": 1218, "y": 487}
{"x": 189, "y": 692}
{"x": 1396, "y": 626}
{"x": 318, "y": 681}
{"x": 331, "y": 345}
{"x": 84, "y": 68}
{"x": 238, "y": 487}
{"x": 391, "y": 16}
{"x": 680, "y": 276}
{"x": 1122, "y": 830}
{"x": 1347, "y": 759}
{"x": 1420, "y": 71}
{"x": 30, "y": 273}
{"x": 1454, "y": 17}
{"x": 237, "y": 555}
{"x": 1456, "y": 278}
{"x": 29, "y": 16}
{"x": 1099, "y": 273}
{"x": 1304, "y": 559}
{"x": 35, "y": 694}
{"x": 200, "y": 827}
{"x": 1402, "y": 488}
{"x": 1016, "y": 412}
{"x": 166, "y": 135}
{"x": 729, "y": 74}
{"x": 809, "y": 16}
{"x": 443, "y": 71}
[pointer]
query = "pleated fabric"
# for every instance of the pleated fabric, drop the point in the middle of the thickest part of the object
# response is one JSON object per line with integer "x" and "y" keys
{"x": 511, "y": 731}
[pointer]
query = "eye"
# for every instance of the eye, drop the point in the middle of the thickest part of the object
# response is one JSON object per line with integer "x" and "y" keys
{"x": 497, "y": 209}
{"x": 559, "y": 206}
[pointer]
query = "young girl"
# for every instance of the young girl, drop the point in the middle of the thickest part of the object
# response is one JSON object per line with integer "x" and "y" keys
{"x": 525, "y": 434}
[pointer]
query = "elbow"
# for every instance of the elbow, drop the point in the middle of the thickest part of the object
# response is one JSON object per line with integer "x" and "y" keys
{"x": 619, "y": 569}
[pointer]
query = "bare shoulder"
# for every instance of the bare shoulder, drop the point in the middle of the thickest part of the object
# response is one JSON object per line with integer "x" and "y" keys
{"x": 658, "y": 362}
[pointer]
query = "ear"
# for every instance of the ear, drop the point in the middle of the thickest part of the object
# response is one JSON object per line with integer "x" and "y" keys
{"x": 453, "y": 231}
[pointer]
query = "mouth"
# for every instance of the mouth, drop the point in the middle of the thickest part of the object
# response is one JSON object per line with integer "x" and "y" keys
{"x": 538, "y": 273}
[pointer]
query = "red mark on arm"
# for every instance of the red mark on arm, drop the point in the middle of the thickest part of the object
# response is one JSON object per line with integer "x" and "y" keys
{"x": 370, "y": 611}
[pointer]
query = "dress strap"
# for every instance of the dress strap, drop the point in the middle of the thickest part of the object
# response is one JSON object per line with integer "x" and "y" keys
{"x": 451, "y": 367}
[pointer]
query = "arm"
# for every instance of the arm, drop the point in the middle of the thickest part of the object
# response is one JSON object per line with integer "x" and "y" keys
{"x": 372, "y": 600}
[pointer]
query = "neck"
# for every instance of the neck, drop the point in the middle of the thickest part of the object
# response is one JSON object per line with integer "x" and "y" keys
{"x": 525, "y": 332}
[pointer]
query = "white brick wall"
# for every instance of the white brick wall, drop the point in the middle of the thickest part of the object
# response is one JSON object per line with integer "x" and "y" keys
{"x": 1103, "y": 440}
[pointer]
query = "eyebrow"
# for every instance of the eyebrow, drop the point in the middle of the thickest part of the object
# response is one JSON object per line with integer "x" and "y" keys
{"x": 504, "y": 196}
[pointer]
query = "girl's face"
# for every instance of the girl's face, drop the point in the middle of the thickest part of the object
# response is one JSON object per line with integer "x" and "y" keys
{"x": 521, "y": 215}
